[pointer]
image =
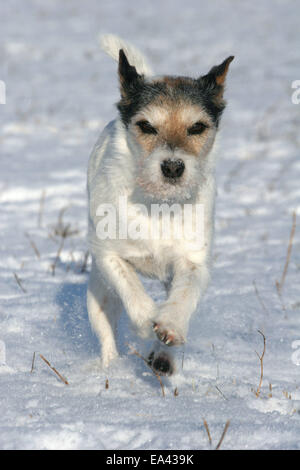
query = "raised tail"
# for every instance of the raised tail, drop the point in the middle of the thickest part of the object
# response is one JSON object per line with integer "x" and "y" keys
{"x": 112, "y": 44}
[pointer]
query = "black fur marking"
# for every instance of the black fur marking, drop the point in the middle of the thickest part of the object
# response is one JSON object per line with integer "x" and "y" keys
{"x": 197, "y": 128}
{"x": 219, "y": 71}
{"x": 146, "y": 127}
{"x": 137, "y": 93}
{"x": 202, "y": 92}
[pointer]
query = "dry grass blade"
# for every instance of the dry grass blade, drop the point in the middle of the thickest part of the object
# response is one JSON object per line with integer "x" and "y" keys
{"x": 182, "y": 360}
{"x": 270, "y": 389}
{"x": 261, "y": 359}
{"x": 63, "y": 231}
{"x": 19, "y": 282}
{"x": 279, "y": 285}
{"x": 260, "y": 299}
{"x": 41, "y": 210}
{"x": 84, "y": 264}
{"x": 60, "y": 248}
{"x": 33, "y": 246}
{"x": 220, "y": 392}
{"x": 223, "y": 435}
{"x": 54, "y": 370}
{"x": 134, "y": 351}
{"x": 207, "y": 431}
{"x": 32, "y": 363}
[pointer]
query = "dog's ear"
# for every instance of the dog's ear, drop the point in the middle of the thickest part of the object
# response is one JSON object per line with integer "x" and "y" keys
{"x": 130, "y": 80}
{"x": 219, "y": 72}
{"x": 215, "y": 79}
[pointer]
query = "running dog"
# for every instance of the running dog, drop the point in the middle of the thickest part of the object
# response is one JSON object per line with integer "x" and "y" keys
{"x": 158, "y": 151}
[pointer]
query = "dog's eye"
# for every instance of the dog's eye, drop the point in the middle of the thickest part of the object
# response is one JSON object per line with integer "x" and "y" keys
{"x": 146, "y": 127}
{"x": 196, "y": 128}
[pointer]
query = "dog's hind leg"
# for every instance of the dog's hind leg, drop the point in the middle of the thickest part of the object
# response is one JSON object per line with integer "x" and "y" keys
{"x": 104, "y": 309}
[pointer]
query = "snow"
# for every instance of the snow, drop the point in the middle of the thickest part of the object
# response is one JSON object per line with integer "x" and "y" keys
{"x": 60, "y": 92}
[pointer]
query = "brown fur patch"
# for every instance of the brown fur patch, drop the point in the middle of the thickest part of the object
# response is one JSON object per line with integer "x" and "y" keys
{"x": 175, "y": 81}
{"x": 220, "y": 79}
{"x": 171, "y": 120}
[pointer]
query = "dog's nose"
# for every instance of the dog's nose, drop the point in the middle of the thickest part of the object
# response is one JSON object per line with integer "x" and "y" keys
{"x": 172, "y": 168}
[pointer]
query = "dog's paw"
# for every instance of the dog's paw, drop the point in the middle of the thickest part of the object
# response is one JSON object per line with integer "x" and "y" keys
{"x": 161, "y": 363}
{"x": 167, "y": 335}
{"x": 108, "y": 356}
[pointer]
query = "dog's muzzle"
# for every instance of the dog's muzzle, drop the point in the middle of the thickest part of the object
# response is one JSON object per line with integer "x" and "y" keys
{"x": 172, "y": 169}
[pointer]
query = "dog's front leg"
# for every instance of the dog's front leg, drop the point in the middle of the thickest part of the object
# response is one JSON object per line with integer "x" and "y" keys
{"x": 189, "y": 283}
{"x": 122, "y": 276}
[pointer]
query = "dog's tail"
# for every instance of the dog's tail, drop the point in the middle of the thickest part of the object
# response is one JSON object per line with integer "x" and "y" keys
{"x": 112, "y": 44}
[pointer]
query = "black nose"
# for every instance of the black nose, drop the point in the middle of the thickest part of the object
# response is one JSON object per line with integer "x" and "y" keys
{"x": 172, "y": 168}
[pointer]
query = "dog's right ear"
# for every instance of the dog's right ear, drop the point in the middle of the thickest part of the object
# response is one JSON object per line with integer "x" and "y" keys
{"x": 215, "y": 79}
{"x": 130, "y": 80}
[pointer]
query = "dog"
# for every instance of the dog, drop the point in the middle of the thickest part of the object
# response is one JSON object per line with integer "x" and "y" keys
{"x": 159, "y": 150}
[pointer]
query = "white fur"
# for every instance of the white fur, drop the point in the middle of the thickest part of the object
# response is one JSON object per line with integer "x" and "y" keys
{"x": 111, "y": 44}
{"x": 116, "y": 168}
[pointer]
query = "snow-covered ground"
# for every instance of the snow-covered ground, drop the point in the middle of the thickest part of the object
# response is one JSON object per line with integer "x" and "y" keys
{"x": 60, "y": 92}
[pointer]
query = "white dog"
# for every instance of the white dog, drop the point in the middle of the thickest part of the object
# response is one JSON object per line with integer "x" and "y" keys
{"x": 156, "y": 153}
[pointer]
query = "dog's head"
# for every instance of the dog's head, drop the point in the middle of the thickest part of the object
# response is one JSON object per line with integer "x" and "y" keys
{"x": 171, "y": 124}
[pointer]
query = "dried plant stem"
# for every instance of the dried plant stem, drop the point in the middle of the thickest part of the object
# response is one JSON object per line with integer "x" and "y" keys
{"x": 41, "y": 210}
{"x": 279, "y": 285}
{"x": 60, "y": 248}
{"x": 33, "y": 246}
{"x": 133, "y": 351}
{"x": 260, "y": 299}
{"x": 261, "y": 359}
{"x": 182, "y": 360}
{"x": 63, "y": 231}
{"x": 223, "y": 435}
{"x": 207, "y": 431}
{"x": 270, "y": 389}
{"x": 84, "y": 264}
{"x": 54, "y": 370}
{"x": 19, "y": 282}
{"x": 221, "y": 393}
{"x": 32, "y": 363}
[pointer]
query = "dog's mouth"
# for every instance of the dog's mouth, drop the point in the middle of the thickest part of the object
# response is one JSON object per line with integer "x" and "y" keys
{"x": 172, "y": 181}
{"x": 167, "y": 189}
{"x": 167, "y": 179}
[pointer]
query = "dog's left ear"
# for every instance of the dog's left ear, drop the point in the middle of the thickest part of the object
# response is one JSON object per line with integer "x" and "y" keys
{"x": 130, "y": 80}
{"x": 215, "y": 79}
{"x": 219, "y": 72}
